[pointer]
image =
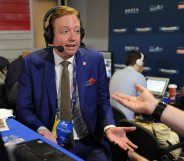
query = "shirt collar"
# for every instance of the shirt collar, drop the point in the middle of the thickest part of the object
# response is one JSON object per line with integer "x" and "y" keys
{"x": 131, "y": 68}
{"x": 58, "y": 59}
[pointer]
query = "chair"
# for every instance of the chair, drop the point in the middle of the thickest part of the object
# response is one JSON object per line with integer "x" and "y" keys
{"x": 117, "y": 153}
{"x": 11, "y": 97}
{"x": 118, "y": 115}
{"x": 148, "y": 145}
{"x": 1, "y": 95}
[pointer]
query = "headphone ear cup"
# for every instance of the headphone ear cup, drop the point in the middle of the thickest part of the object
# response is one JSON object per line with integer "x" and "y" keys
{"x": 139, "y": 62}
{"x": 48, "y": 34}
{"x": 82, "y": 33}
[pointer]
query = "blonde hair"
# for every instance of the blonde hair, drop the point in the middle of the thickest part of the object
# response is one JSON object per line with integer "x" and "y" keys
{"x": 63, "y": 11}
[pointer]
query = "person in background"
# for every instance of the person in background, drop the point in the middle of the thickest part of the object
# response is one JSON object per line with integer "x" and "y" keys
{"x": 11, "y": 81}
{"x": 38, "y": 102}
{"x": 4, "y": 65}
{"x": 124, "y": 80}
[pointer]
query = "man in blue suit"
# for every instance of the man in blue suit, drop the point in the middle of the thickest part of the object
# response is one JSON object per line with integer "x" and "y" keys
{"x": 39, "y": 88}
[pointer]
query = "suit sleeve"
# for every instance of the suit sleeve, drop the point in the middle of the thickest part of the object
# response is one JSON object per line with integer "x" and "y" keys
{"x": 25, "y": 103}
{"x": 105, "y": 109}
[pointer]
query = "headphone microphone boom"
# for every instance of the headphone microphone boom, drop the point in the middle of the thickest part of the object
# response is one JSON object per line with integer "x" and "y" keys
{"x": 59, "y": 48}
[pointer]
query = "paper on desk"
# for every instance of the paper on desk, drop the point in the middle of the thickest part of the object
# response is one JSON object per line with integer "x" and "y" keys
{"x": 5, "y": 113}
{"x": 12, "y": 139}
{"x": 3, "y": 125}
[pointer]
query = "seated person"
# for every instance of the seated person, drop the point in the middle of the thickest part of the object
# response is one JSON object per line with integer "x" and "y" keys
{"x": 124, "y": 80}
{"x": 12, "y": 79}
{"x": 79, "y": 102}
{"x": 4, "y": 64}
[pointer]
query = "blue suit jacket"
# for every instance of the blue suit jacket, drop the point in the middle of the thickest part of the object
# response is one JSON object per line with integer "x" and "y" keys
{"x": 37, "y": 100}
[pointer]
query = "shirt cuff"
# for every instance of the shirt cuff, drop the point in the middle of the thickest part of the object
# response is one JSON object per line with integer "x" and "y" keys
{"x": 107, "y": 127}
{"x": 41, "y": 128}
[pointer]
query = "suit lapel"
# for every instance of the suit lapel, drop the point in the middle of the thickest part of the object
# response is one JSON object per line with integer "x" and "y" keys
{"x": 50, "y": 81}
{"x": 82, "y": 67}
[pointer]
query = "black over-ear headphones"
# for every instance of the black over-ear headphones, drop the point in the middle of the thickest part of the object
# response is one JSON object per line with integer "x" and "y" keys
{"x": 48, "y": 31}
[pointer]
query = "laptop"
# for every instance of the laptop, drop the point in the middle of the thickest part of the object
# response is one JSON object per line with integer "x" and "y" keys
{"x": 38, "y": 150}
{"x": 3, "y": 150}
{"x": 35, "y": 150}
{"x": 157, "y": 85}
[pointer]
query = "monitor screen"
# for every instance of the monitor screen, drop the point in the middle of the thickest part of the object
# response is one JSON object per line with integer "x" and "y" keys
{"x": 108, "y": 62}
{"x": 157, "y": 85}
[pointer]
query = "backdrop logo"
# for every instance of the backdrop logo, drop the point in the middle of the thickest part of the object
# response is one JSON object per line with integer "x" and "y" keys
{"x": 181, "y": 5}
{"x": 146, "y": 69}
{"x": 168, "y": 71}
{"x": 143, "y": 29}
{"x": 119, "y": 66}
{"x": 121, "y": 30}
{"x": 129, "y": 48}
{"x": 131, "y": 11}
{"x": 155, "y": 49}
{"x": 169, "y": 28}
{"x": 180, "y": 50}
{"x": 154, "y": 8}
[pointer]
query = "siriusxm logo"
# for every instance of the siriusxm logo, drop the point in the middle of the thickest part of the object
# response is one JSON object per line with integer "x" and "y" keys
{"x": 143, "y": 29}
{"x": 119, "y": 66}
{"x": 146, "y": 69}
{"x": 169, "y": 28}
{"x": 155, "y": 49}
{"x": 154, "y": 8}
{"x": 168, "y": 71}
{"x": 129, "y": 48}
{"x": 131, "y": 11}
{"x": 121, "y": 30}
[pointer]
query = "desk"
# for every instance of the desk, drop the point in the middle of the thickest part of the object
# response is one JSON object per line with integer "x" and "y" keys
{"x": 27, "y": 134}
{"x": 178, "y": 102}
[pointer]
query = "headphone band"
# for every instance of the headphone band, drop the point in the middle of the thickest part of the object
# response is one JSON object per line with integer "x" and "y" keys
{"x": 47, "y": 15}
{"x": 142, "y": 56}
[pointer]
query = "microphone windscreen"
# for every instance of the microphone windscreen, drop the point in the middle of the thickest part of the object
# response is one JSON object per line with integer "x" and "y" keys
{"x": 60, "y": 48}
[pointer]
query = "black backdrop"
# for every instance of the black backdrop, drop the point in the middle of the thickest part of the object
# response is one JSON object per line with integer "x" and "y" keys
{"x": 153, "y": 27}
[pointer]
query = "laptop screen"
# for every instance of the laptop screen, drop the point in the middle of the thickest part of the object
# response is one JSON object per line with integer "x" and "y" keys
{"x": 157, "y": 85}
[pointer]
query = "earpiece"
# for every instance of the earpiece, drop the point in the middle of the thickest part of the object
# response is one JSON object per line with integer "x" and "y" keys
{"x": 141, "y": 60}
{"x": 48, "y": 31}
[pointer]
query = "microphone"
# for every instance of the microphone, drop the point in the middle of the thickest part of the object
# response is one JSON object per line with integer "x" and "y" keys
{"x": 59, "y": 48}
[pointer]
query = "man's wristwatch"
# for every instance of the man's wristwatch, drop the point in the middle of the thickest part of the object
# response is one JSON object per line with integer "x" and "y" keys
{"x": 159, "y": 110}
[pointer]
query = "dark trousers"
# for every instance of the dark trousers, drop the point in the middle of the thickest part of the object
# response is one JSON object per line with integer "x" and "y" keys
{"x": 89, "y": 149}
